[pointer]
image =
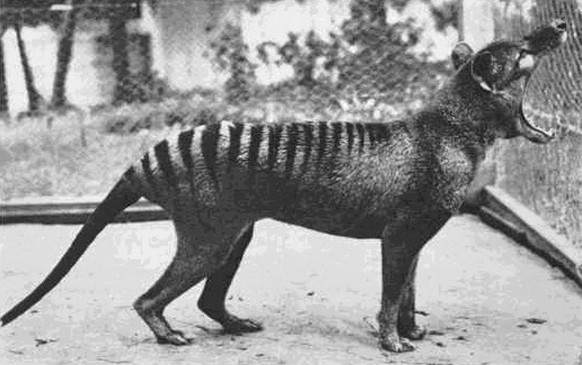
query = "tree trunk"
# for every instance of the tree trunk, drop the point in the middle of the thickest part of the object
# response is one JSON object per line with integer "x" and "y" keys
{"x": 4, "y": 108}
{"x": 34, "y": 98}
{"x": 64, "y": 55}
{"x": 377, "y": 10}
{"x": 119, "y": 44}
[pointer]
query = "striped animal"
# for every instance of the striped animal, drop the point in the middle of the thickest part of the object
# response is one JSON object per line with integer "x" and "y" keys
{"x": 399, "y": 182}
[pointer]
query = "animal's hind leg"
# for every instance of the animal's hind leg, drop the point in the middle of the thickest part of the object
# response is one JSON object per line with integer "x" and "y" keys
{"x": 198, "y": 254}
{"x": 212, "y": 300}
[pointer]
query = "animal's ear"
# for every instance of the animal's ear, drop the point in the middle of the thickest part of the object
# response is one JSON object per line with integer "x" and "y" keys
{"x": 461, "y": 54}
{"x": 482, "y": 69}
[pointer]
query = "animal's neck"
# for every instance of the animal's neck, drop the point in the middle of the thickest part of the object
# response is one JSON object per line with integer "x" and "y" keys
{"x": 452, "y": 121}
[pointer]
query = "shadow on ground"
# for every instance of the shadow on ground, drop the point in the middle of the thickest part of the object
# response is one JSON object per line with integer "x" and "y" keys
{"x": 484, "y": 300}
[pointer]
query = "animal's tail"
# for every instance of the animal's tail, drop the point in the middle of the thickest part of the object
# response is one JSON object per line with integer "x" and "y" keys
{"x": 120, "y": 197}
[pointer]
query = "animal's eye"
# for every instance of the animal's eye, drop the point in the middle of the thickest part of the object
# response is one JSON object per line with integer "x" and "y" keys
{"x": 524, "y": 52}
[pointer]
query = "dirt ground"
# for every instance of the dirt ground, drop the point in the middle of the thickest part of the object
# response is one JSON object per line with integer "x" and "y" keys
{"x": 484, "y": 300}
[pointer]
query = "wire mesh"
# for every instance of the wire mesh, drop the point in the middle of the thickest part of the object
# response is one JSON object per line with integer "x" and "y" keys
{"x": 556, "y": 87}
{"x": 548, "y": 178}
{"x": 139, "y": 70}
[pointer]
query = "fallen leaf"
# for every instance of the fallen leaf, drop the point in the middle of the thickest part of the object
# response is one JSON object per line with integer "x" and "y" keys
{"x": 534, "y": 320}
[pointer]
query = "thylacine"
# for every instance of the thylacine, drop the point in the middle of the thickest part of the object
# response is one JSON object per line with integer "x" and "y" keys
{"x": 399, "y": 182}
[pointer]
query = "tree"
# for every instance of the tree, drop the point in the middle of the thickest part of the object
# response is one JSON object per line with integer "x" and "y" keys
{"x": 119, "y": 42}
{"x": 64, "y": 55}
{"x": 35, "y": 100}
{"x": 4, "y": 108}
{"x": 17, "y": 14}
{"x": 367, "y": 55}
{"x": 231, "y": 53}
{"x": 117, "y": 13}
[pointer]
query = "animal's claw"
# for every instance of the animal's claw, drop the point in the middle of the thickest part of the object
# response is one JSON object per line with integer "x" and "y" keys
{"x": 240, "y": 325}
{"x": 175, "y": 338}
{"x": 394, "y": 343}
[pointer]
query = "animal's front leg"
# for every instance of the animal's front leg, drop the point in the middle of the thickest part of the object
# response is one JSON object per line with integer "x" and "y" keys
{"x": 407, "y": 326}
{"x": 397, "y": 263}
{"x": 400, "y": 249}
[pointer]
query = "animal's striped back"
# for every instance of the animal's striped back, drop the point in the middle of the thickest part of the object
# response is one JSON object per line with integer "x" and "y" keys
{"x": 207, "y": 157}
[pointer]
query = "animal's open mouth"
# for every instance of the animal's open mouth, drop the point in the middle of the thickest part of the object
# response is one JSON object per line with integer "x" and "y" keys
{"x": 532, "y": 132}
{"x": 525, "y": 127}
{"x": 539, "y": 42}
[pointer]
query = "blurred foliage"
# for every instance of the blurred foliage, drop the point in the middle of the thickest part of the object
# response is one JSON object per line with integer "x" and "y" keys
{"x": 367, "y": 59}
{"x": 140, "y": 83}
{"x": 132, "y": 118}
{"x": 365, "y": 72}
{"x": 231, "y": 54}
{"x": 446, "y": 14}
{"x": 368, "y": 55}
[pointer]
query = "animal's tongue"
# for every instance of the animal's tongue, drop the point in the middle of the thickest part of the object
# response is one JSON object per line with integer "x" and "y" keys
{"x": 530, "y": 131}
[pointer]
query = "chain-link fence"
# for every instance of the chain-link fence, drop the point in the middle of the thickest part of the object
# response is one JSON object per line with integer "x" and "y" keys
{"x": 133, "y": 70}
{"x": 549, "y": 178}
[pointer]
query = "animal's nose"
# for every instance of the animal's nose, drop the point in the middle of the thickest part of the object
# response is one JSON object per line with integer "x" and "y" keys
{"x": 560, "y": 25}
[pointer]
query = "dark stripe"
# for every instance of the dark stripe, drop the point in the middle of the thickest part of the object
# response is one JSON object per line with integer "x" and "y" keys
{"x": 162, "y": 152}
{"x": 350, "y": 131}
{"x": 210, "y": 136}
{"x": 274, "y": 139}
{"x": 234, "y": 145}
{"x": 377, "y": 133}
{"x": 322, "y": 135}
{"x": 185, "y": 146}
{"x": 291, "y": 147}
{"x": 147, "y": 170}
{"x": 361, "y": 136}
{"x": 307, "y": 145}
{"x": 383, "y": 132}
{"x": 371, "y": 129}
{"x": 254, "y": 144}
{"x": 337, "y": 134}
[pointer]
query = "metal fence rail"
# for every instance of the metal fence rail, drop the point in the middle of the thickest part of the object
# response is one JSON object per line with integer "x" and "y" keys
{"x": 72, "y": 211}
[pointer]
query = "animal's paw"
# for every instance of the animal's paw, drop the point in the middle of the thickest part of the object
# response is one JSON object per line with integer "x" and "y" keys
{"x": 414, "y": 333}
{"x": 237, "y": 325}
{"x": 175, "y": 338}
{"x": 394, "y": 343}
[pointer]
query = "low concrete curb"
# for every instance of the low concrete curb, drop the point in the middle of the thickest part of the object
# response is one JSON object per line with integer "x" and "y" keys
{"x": 501, "y": 211}
{"x": 496, "y": 208}
{"x": 71, "y": 211}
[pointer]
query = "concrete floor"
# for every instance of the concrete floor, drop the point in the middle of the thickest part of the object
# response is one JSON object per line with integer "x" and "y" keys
{"x": 484, "y": 300}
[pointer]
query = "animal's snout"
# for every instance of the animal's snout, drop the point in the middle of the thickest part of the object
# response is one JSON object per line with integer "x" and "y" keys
{"x": 560, "y": 25}
{"x": 546, "y": 38}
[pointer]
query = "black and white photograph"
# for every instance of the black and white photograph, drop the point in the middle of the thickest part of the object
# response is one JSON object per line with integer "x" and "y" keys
{"x": 291, "y": 182}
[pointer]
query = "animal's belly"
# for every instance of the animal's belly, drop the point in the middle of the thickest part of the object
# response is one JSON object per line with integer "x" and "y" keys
{"x": 345, "y": 223}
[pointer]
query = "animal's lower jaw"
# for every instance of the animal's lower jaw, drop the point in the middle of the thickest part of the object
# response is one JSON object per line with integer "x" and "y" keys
{"x": 530, "y": 131}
